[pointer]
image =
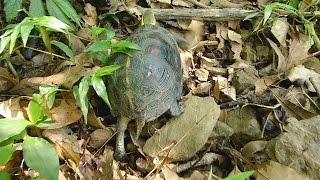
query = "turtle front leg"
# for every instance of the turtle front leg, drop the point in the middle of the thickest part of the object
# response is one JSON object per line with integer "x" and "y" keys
{"x": 120, "y": 153}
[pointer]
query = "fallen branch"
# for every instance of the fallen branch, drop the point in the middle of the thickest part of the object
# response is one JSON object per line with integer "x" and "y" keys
{"x": 225, "y": 14}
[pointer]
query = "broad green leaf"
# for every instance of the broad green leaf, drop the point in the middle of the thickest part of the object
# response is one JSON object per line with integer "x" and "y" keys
{"x": 127, "y": 44}
{"x": 4, "y": 41}
{"x": 75, "y": 91}
{"x": 252, "y": 15}
{"x": 35, "y": 112}
{"x": 45, "y": 123}
{"x": 11, "y": 8}
{"x": 4, "y": 175}
{"x": 64, "y": 48}
{"x": 68, "y": 10}
{"x": 12, "y": 127}
{"x": 41, "y": 157}
{"x": 6, "y": 151}
{"x": 316, "y": 13}
{"x": 83, "y": 96}
{"x": 36, "y": 8}
{"x": 55, "y": 11}
{"x": 52, "y": 23}
{"x": 100, "y": 89}
{"x": 107, "y": 70}
{"x": 240, "y": 176}
{"x": 267, "y": 13}
{"x": 284, "y": 6}
{"x": 103, "y": 45}
{"x": 50, "y": 90}
{"x": 13, "y": 37}
{"x": 25, "y": 31}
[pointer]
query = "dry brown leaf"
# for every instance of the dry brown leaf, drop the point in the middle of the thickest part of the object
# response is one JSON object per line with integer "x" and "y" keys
{"x": 195, "y": 126}
{"x": 298, "y": 51}
{"x": 91, "y": 17}
{"x": 169, "y": 173}
{"x": 104, "y": 163}
{"x": 181, "y": 3}
{"x": 263, "y": 83}
{"x": 225, "y": 87}
{"x": 280, "y": 30}
{"x": 202, "y": 89}
{"x": 64, "y": 112}
{"x": 100, "y": 136}
{"x": 202, "y": 74}
{"x": 273, "y": 170}
{"x": 194, "y": 33}
{"x": 6, "y": 81}
{"x": 15, "y": 107}
{"x": 281, "y": 57}
{"x": 233, "y": 36}
{"x": 208, "y": 62}
{"x": 236, "y": 49}
{"x": 302, "y": 73}
{"x": 186, "y": 63}
{"x": 222, "y": 34}
{"x": 66, "y": 141}
{"x": 253, "y": 147}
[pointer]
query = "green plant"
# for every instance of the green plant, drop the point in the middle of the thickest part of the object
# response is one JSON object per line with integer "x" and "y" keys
{"x": 37, "y": 152}
{"x": 291, "y": 9}
{"x": 240, "y": 176}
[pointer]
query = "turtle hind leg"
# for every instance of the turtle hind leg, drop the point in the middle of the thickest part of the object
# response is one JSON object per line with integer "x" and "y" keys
{"x": 120, "y": 153}
{"x": 176, "y": 108}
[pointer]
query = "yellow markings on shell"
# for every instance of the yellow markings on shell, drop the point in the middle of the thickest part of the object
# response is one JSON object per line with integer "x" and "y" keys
{"x": 128, "y": 92}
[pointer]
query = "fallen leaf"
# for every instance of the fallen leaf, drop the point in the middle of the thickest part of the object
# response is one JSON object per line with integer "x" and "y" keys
{"x": 66, "y": 141}
{"x": 91, "y": 17}
{"x": 274, "y": 170}
{"x": 280, "y": 30}
{"x": 185, "y": 134}
{"x": 202, "y": 74}
{"x": 263, "y": 83}
{"x": 233, "y": 36}
{"x": 302, "y": 73}
{"x": 15, "y": 107}
{"x": 100, "y": 136}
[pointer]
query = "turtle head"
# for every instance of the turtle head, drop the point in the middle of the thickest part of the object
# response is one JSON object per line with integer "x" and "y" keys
{"x": 148, "y": 18}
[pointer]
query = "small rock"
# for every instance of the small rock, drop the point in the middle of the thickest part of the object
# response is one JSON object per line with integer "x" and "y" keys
{"x": 244, "y": 79}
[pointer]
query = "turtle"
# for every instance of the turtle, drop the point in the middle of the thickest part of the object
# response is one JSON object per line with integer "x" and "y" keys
{"x": 149, "y": 84}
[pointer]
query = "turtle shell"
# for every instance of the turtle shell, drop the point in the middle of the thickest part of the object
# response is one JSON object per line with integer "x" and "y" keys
{"x": 149, "y": 83}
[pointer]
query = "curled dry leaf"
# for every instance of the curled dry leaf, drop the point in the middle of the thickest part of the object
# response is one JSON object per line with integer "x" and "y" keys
{"x": 236, "y": 49}
{"x": 249, "y": 150}
{"x": 233, "y": 36}
{"x": 280, "y": 30}
{"x": 225, "y": 87}
{"x": 185, "y": 135}
{"x": 65, "y": 142}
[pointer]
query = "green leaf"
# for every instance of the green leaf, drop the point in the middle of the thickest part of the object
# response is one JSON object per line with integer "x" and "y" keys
{"x": 103, "y": 45}
{"x": 13, "y": 37}
{"x": 4, "y": 175}
{"x": 68, "y": 10}
{"x": 100, "y": 89}
{"x": 316, "y": 13}
{"x": 95, "y": 31}
{"x": 107, "y": 70}
{"x": 25, "y": 31}
{"x": 50, "y": 90}
{"x": 41, "y": 157}
{"x": 11, "y": 8}
{"x": 250, "y": 16}
{"x": 240, "y": 176}
{"x": 35, "y": 112}
{"x": 6, "y": 151}
{"x": 36, "y": 8}
{"x": 52, "y": 23}
{"x": 127, "y": 44}
{"x": 55, "y": 11}
{"x": 83, "y": 98}
{"x": 4, "y": 42}
{"x": 64, "y": 48}
{"x": 108, "y": 15}
{"x": 267, "y": 13}
{"x": 101, "y": 56}
{"x": 75, "y": 91}
{"x": 45, "y": 37}
{"x": 294, "y": 3}
{"x": 12, "y": 127}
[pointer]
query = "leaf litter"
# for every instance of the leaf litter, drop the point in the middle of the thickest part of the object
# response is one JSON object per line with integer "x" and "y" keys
{"x": 252, "y": 103}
